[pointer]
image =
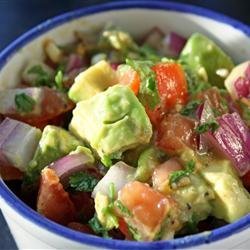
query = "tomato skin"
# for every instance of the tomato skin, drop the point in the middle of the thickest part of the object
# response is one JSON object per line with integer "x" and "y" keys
{"x": 171, "y": 84}
{"x": 130, "y": 78}
{"x": 53, "y": 201}
{"x": 175, "y": 132}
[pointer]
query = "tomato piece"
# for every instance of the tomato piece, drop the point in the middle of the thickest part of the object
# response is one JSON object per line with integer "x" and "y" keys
{"x": 162, "y": 172}
{"x": 176, "y": 132}
{"x": 215, "y": 99}
{"x": 155, "y": 115}
{"x": 8, "y": 173}
{"x": 80, "y": 227}
{"x": 51, "y": 106}
{"x": 84, "y": 205}
{"x": 171, "y": 83}
{"x": 246, "y": 181}
{"x": 123, "y": 227}
{"x": 130, "y": 78}
{"x": 147, "y": 206}
{"x": 53, "y": 201}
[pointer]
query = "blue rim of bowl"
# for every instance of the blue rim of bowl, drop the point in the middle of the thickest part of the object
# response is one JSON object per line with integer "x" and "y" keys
{"x": 33, "y": 216}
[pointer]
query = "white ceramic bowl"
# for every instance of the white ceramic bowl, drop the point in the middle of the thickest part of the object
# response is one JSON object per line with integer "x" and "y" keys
{"x": 30, "y": 229}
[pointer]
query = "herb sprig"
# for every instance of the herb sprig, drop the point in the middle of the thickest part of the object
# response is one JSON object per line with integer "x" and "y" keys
{"x": 24, "y": 103}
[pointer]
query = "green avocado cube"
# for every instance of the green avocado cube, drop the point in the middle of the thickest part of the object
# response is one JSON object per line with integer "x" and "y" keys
{"x": 93, "y": 80}
{"x": 112, "y": 121}
{"x": 54, "y": 144}
{"x": 232, "y": 201}
{"x": 207, "y": 59}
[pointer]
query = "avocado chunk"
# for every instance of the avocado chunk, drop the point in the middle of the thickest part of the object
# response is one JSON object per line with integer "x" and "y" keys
{"x": 195, "y": 198}
{"x": 54, "y": 144}
{"x": 148, "y": 160}
{"x": 93, "y": 80}
{"x": 232, "y": 201}
{"x": 112, "y": 121}
{"x": 207, "y": 59}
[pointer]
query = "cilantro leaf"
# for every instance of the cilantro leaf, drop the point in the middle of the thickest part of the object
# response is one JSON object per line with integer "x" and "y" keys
{"x": 82, "y": 182}
{"x": 97, "y": 227}
{"x": 42, "y": 77}
{"x": 24, "y": 102}
{"x": 190, "y": 108}
{"x": 207, "y": 126}
{"x": 59, "y": 80}
{"x": 134, "y": 233}
{"x": 179, "y": 174}
{"x": 124, "y": 210}
{"x": 148, "y": 93}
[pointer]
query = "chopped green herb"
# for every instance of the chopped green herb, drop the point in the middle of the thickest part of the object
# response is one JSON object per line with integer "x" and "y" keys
{"x": 112, "y": 191}
{"x": 163, "y": 228}
{"x": 97, "y": 227}
{"x": 134, "y": 232}
{"x": 148, "y": 53}
{"x": 190, "y": 108}
{"x": 82, "y": 182}
{"x": 195, "y": 85}
{"x": 59, "y": 80}
{"x": 124, "y": 210}
{"x": 148, "y": 93}
{"x": 24, "y": 103}
{"x": 179, "y": 174}
{"x": 42, "y": 77}
{"x": 207, "y": 126}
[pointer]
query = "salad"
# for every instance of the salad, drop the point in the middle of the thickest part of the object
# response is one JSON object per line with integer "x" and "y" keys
{"x": 138, "y": 139}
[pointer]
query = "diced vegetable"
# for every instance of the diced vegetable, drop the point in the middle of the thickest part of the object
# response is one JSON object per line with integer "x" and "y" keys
{"x": 172, "y": 44}
{"x": 232, "y": 138}
{"x": 175, "y": 133}
{"x": 38, "y": 74}
{"x": 74, "y": 62}
{"x": 9, "y": 173}
{"x": 119, "y": 174}
{"x": 231, "y": 201}
{"x": 128, "y": 76}
{"x": 55, "y": 143}
{"x": 34, "y": 106}
{"x": 71, "y": 164}
{"x": 154, "y": 38}
{"x": 148, "y": 208}
{"x": 53, "y": 52}
{"x": 171, "y": 84}
{"x": 18, "y": 142}
{"x": 148, "y": 93}
{"x": 238, "y": 81}
{"x": 162, "y": 173}
{"x": 203, "y": 55}
{"x": 95, "y": 79}
{"x": 147, "y": 161}
{"x": 53, "y": 201}
{"x": 112, "y": 122}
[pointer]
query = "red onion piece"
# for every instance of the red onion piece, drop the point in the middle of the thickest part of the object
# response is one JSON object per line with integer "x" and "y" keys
{"x": 18, "y": 142}
{"x": 71, "y": 164}
{"x": 75, "y": 62}
{"x": 232, "y": 138}
{"x": 242, "y": 87}
{"x": 173, "y": 43}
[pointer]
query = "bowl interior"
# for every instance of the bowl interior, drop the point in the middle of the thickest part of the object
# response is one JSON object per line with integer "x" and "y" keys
{"x": 168, "y": 17}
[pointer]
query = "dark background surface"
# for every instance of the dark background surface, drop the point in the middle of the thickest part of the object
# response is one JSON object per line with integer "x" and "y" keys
{"x": 17, "y": 16}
